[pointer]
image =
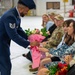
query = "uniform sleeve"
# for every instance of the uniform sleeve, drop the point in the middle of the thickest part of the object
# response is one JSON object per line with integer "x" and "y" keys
{"x": 22, "y": 33}
{"x": 10, "y": 26}
{"x": 54, "y": 40}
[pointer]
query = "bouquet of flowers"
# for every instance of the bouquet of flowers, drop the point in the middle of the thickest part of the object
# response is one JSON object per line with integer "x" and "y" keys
{"x": 58, "y": 69}
{"x": 35, "y": 52}
{"x": 37, "y": 31}
{"x": 36, "y": 35}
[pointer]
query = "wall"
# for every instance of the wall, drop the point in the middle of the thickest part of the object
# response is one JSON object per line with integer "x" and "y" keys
{"x": 15, "y": 2}
{"x": 41, "y": 6}
{"x": 5, "y": 5}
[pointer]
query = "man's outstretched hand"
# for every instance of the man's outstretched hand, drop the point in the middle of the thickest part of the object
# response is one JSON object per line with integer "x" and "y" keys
{"x": 35, "y": 43}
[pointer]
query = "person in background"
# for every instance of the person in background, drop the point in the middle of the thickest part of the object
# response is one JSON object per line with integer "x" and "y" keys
{"x": 57, "y": 34}
{"x": 64, "y": 49}
{"x": 46, "y": 21}
{"x": 52, "y": 18}
{"x": 52, "y": 28}
{"x": 10, "y": 30}
{"x": 65, "y": 25}
{"x": 52, "y": 15}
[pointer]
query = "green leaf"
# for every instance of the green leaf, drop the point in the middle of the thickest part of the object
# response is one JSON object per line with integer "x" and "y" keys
{"x": 53, "y": 69}
{"x": 28, "y": 32}
{"x": 43, "y": 30}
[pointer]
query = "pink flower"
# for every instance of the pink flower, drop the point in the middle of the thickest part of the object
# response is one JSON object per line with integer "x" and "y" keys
{"x": 36, "y": 37}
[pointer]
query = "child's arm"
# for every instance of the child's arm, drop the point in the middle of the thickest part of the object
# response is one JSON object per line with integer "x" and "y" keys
{"x": 43, "y": 49}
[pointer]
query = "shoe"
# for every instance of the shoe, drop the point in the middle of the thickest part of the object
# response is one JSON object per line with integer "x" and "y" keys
{"x": 30, "y": 66}
{"x": 24, "y": 55}
{"x": 33, "y": 70}
{"x": 29, "y": 58}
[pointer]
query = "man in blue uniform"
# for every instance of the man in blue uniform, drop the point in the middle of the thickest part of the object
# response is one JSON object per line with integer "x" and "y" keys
{"x": 10, "y": 30}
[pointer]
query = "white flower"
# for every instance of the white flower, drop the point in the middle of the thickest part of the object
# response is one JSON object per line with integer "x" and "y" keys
{"x": 41, "y": 33}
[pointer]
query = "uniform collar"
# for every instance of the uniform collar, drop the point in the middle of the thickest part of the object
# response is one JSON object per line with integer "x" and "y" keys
{"x": 18, "y": 12}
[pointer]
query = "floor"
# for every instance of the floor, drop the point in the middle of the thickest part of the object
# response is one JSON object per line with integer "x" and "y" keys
{"x": 20, "y": 65}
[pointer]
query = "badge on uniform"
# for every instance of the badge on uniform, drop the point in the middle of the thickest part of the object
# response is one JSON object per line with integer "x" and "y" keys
{"x": 12, "y": 26}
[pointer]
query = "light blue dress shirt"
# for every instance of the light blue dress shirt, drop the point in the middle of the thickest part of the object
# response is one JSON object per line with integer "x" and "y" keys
{"x": 49, "y": 24}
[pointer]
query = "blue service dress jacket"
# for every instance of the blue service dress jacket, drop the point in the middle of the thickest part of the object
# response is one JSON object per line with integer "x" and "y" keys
{"x": 10, "y": 29}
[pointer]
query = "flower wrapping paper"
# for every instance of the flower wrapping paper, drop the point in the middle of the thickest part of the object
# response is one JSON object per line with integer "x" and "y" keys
{"x": 36, "y": 54}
